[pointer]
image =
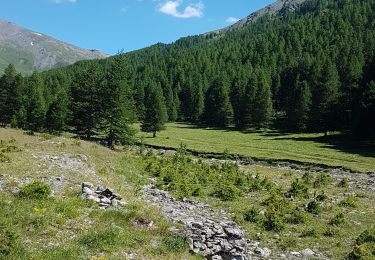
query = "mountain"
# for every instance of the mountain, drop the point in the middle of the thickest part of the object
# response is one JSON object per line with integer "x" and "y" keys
{"x": 278, "y": 7}
{"x": 32, "y": 51}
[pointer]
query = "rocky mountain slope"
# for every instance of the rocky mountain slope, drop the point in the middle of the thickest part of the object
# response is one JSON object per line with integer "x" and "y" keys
{"x": 279, "y": 6}
{"x": 30, "y": 51}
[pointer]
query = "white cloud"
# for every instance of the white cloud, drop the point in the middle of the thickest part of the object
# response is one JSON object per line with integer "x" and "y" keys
{"x": 232, "y": 20}
{"x": 171, "y": 8}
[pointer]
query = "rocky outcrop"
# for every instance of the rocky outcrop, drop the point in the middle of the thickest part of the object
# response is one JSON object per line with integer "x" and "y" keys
{"x": 210, "y": 232}
{"x": 104, "y": 197}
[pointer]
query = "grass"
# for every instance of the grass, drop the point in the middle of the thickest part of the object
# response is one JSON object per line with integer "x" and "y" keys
{"x": 320, "y": 215}
{"x": 37, "y": 224}
{"x": 268, "y": 144}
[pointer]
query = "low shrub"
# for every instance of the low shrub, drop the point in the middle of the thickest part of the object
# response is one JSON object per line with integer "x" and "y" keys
{"x": 35, "y": 190}
{"x": 4, "y": 157}
{"x": 252, "y": 215}
{"x": 349, "y": 202}
{"x": 297, "y": 217}
{"x": 314, "y": 207}
{"x": 365, "y": 246}
{"x": 273, "y": 221}
{"x": 299, "y": 189}
{"x": 227, "y": 191}
{"x": 321, "y": 197}
{"x": 322, "y": 180}
{"x": 337, "y": 220}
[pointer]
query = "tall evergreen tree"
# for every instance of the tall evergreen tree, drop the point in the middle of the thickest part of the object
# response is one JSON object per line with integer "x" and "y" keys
{"x": 117, "y": 104}
{"x": 36, "y": 110}
{"x": 219, "y": 110}
{"x": 57, "y": 112}
{"x": 10, "y": 94}
{"x": 86, "y": 99}
{"x": 156, "y": 112}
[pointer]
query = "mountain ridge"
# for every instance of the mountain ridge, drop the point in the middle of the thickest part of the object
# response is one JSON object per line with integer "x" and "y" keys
{"x": 33, "y": 51}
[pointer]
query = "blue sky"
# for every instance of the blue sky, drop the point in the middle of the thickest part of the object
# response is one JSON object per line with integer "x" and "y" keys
{"x": 112, "y": 25}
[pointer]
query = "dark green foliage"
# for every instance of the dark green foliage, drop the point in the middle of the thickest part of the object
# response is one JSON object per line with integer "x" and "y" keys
{"x": 227, "y": 191}
{"x": 36, "y": 107}
{"x": 314, "y": 207}
{"x": 251, "y": 215}
{"x": 273, "y": 221}
{"x": 299, "y": 189}
{"x": 365, "y": 246}
{"x": 156, "y": 113}
{"x": 297, "y": 217}
{"x": 322, "y": 180}
{"x": 117, "y": 104}
{"x": 337, "y": 220}
{"x": 219, "y": 110}
{"x": 312, "y": 70}
{"x": 11, "y": 85}
{"x": 35, "y": 190}
{"x": 349, "y": 202}
{"x": 367, "y": 236}
{"x": 57, "y": 113}
{"x": 86, "y": 99}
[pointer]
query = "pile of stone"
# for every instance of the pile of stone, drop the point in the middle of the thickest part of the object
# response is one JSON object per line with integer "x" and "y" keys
{"x": 104, "y": 197}
{"x": 210, "y": 232}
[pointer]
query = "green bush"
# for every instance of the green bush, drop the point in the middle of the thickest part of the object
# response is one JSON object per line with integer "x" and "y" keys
{"x": 273, "y": 221}
{"x": 174, "y": 243}
{"x": 252, "y": 215}
{"x": 314, "y": 207}
{"x": 321, "y": 197}
{"x": 349, "y": 202}
{"x": 365, "y": 246}
{"x": 310, "y": 232}
{"x": 296, "y": 217}
{"x": 227, "y": 191}
{"x": 307, "y": 178}
{"x": 367, "y": 236}
{"x": 331, "y": 231}
{"x": 322, "y": 180}
{"x": 299, "y": 189}
{"x": 35, "y": 190}
{"x": 338, "y": 220}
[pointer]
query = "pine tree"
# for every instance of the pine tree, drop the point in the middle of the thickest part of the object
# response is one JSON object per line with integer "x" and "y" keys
{"x": 36, "y": 110}
{"x": 86, "y": 99}
{"x": 57, "y": 112}
{"x": 117, "y": 104}
{"x": 156, "y": 112}
{"x": 262, "y": 111}
{"x": 219, "y": 110}
{"x": 10, "y": 94}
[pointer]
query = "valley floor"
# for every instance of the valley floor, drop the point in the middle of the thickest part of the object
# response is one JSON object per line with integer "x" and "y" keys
{"x": 270, "y": 145}
{"x": 66, "y": 226}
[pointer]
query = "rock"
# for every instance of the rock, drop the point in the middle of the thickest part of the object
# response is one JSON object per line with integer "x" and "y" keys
{"x": 263, "y": 252}
{"x": 94, "y": 198}
{"x": 87, "y": 185}
{"x": 307, "y": 252}
{"x": 234, "y": 232}
{"x": 294, "y": 253}
{"x": 105, "y": 200}
{"x": 87, "y": 190}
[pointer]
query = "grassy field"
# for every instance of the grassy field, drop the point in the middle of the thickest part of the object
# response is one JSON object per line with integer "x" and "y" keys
{"x": 65, "y": 226}
{"x": 313, "y": 148}
{"x": 283, "y": 210}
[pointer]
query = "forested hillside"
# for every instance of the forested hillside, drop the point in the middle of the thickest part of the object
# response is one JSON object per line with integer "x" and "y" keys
{"x": 312, "y": 69}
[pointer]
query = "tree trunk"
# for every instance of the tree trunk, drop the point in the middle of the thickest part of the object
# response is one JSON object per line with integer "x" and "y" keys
{"x": 154, "y": 134}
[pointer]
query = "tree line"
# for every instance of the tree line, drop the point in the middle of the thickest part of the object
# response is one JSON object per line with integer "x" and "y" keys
{"x": 312, "y": 69}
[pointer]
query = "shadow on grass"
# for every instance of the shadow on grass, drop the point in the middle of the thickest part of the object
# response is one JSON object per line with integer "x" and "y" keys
{"x": 342, "y": 143}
